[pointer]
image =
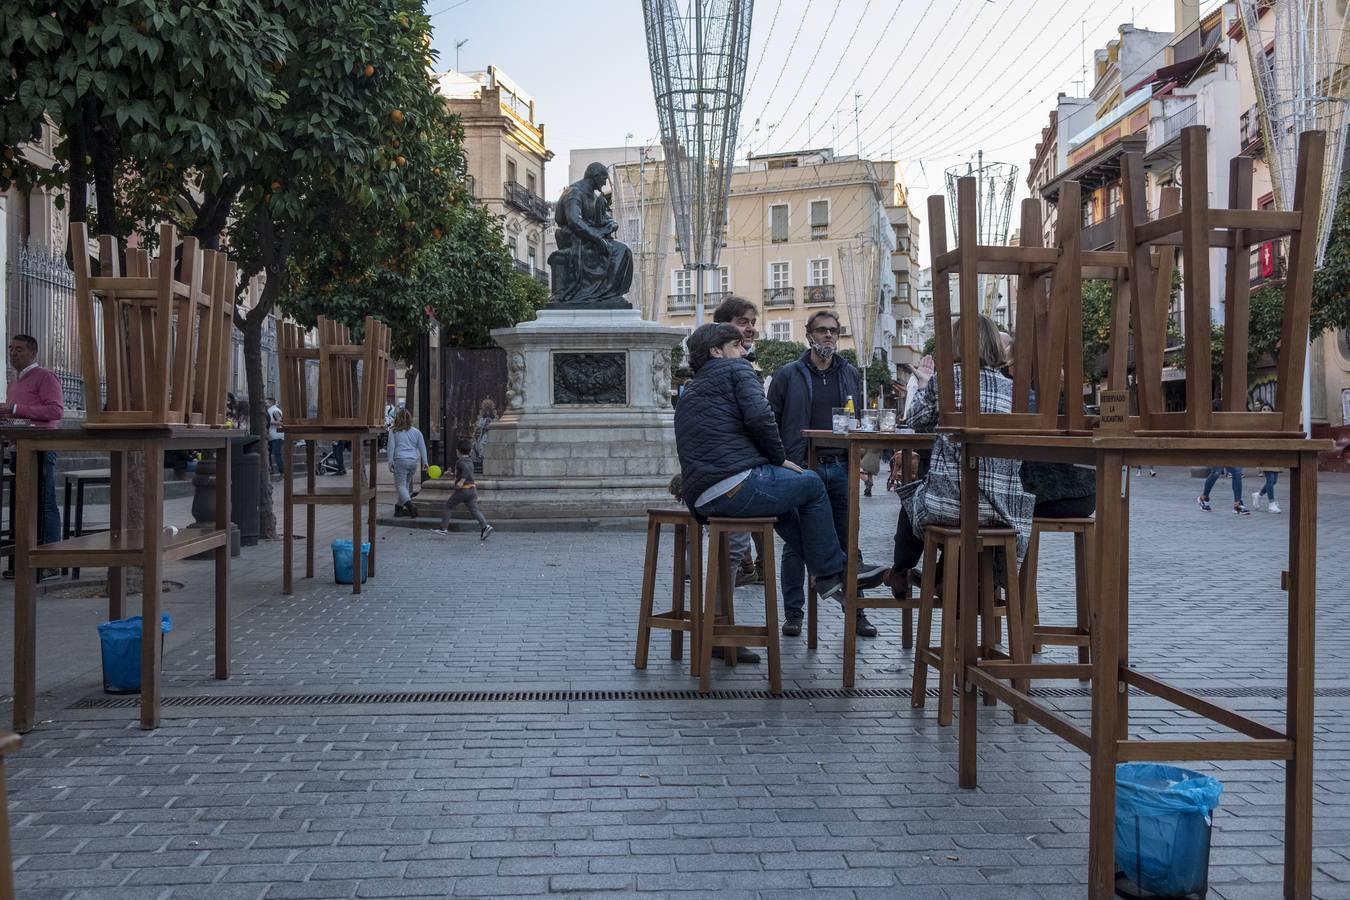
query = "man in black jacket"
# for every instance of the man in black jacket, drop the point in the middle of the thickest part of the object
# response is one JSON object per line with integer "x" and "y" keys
{"x": 732, "y": 460}
{"x": 802, "y": 396}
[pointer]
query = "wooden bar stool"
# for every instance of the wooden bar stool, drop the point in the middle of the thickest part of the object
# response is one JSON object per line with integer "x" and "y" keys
{"x": 948, "y": 540}
{"x": 1077, "y": 635}
{"x": 718, "y": 625}
{"x": 688, "y": 537}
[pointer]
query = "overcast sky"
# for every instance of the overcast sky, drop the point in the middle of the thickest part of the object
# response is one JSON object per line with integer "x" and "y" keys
{"x": 938, "y": 79}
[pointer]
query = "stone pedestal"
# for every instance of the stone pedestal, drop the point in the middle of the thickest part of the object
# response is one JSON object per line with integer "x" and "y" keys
{"x": 587, "y": 438}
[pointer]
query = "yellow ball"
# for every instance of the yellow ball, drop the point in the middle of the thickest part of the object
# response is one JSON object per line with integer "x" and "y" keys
{"x": 433, "y": 472}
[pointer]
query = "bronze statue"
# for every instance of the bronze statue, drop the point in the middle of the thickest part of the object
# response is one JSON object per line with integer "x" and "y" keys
{"x": 590, "y": 268}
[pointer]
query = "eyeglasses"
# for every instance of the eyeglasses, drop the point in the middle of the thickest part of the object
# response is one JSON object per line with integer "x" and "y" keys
{"x": 823, "y": 331}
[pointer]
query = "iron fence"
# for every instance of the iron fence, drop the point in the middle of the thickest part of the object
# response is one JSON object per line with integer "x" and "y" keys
{"x": 42, "y": 304}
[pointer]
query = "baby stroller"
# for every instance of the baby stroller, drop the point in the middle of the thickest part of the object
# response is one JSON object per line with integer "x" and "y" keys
{"x": 327, "y": 464}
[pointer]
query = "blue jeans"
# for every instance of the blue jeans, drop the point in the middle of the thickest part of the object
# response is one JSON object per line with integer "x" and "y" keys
{"x": 49, "y": 517}
{"x": 799, "y": 502}
{"x": 793, "y": 575}
{"x": 1216, "y": 472}
{"x": 1268, "y": 489}
{"x": 278, "y": 460}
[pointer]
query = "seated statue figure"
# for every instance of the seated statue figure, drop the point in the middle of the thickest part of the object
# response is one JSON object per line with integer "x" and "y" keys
{"x": 590, "y": 268}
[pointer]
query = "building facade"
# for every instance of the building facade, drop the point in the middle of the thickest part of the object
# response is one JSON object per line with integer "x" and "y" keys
{"x": 504, "y": 143}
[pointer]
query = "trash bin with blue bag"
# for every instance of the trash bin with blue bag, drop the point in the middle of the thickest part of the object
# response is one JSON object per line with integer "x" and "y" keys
{"x": 120, "y": 640}
{"x": 1164, "y": 816}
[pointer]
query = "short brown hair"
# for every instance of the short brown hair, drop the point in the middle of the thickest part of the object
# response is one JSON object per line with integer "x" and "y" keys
{"x": 705, "y": 338}
{"x": 732, "y": 307}
{"x": 822, "y": 314}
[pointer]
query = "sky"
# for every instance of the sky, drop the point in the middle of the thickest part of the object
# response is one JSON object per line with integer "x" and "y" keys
{"x": 936, "y": 80}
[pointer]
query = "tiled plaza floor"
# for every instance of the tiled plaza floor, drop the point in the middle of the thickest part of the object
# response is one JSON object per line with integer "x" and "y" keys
{"x": 480, "y": 795}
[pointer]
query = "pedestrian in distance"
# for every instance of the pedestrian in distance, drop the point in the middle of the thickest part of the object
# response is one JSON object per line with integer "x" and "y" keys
{"x": 276, "y": 436}
{"x": 1215, "y": 473}
{"x": 466, "y": 492}
{"x": 34, "y": 398}
{"x": 407, "y": 460}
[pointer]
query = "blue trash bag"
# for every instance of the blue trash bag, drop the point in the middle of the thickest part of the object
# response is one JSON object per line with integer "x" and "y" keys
{"x": 121, "y": 644}
{"x": 1163, "y": 819}
{"x": 342, "y": 561}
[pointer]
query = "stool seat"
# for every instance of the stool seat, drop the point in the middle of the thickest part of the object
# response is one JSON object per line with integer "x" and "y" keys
{"x": 718, "y": 626}
{"x": 948, "y": 539}
{"x": 688, "y": 535}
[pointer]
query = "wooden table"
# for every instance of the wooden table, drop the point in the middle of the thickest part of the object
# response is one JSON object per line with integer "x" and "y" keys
{"x": 856, "y": 442}
{"x": 1108, "y": 741}
{"x": 119, "y": 548}
{"x": 8, "y": 744}
{"x": 356, "y": 495}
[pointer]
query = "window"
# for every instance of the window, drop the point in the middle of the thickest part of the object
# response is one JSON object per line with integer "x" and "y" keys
{"x": 902, "y": 292}
{"x": 901, "y": 245}
{"x": 533, "y": 254}
{"x": 820, "y": 272}
{"x": 1113, "y": 199}
{"x": 780, "y": 331}
{"x": 683, "y": 282}
{"x": 630, "y": 232}
{"x": 510, "y": 170}
{"x": 820, "y": 219}
{"x": 1087, "y": 214}
{"x": 724, "y": 280}
{"x": 906, "y": 335}
{"x": 778, "y": 223}
{"x": 530, "y": 183}
{"x": 780, "y": 275}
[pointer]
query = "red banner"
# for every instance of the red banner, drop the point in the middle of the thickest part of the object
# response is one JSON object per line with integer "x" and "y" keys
{"x": 1267, "y": 259}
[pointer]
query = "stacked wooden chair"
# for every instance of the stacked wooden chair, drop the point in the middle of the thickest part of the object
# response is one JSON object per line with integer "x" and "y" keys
{"x": 154, "y": 336}
{"x": 1140, "y": 433}
{"x": 348, "y": 405}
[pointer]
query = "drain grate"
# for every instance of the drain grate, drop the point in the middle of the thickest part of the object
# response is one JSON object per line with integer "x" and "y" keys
{"x": 1272, "y": 692}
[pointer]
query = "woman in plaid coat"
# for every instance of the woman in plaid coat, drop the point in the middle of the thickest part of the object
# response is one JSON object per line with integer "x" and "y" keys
{"x": 936, "y": 500}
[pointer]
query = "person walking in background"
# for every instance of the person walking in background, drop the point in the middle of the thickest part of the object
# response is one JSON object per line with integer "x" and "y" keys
{"x": 1267, "y": 491}
{"x": 35, "y": 396}
{"x": 407, "y": 460}
{"x": 487, "y": 414}
{"x": 466, "y": 492}
{"x": 1215, "y": 473}
{"x": 339, "y": 457}
{"x": 276, "y": 435}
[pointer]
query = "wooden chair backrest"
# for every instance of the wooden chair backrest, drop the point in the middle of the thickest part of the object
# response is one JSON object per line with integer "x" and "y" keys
{"x": 292, "y": 359}
{"x": 158, "y": 361}
{"x": 1196, "y": 228}
{"x": 352, "y": 375}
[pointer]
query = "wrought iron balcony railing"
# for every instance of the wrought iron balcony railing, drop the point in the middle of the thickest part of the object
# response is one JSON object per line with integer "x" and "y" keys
{"x": 779, "y": 297}
{"x": 819, "y": 294}
{"x": 525, "y": 200}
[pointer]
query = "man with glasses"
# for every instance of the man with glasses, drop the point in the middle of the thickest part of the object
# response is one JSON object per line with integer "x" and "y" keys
{"x": 803, "y": 396}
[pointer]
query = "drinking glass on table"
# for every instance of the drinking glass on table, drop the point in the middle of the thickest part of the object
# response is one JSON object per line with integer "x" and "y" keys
{"x": 888, "y": 420}
{"x": 839, "y": 420}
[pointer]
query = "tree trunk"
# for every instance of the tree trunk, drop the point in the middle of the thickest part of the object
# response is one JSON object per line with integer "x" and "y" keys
{"x": 252, "y": 325}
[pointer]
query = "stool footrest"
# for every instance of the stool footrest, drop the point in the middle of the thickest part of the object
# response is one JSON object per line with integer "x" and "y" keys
{"x": 737, "y": 634}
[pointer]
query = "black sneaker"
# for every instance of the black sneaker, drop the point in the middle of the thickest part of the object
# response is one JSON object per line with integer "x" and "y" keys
{"x": 865, "y": 628}
{"x": 793, "y": 626}
{"x": 1240, "y": 510}
{"x": 829, "y": 587}
{"x": 1204, "y": 503}
{"x": 486, "y": 533}
{"x": 870, "y": 576}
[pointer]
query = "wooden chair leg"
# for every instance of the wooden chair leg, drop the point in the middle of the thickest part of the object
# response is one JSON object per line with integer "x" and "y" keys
{"x": 924, "y": 639}
{"x": 710, "y": 600}
{"x": 1082, "y": 552}
{"x": 771, "y": 618}
{"x": 644, "y": 633}
{"x": 726, "y": 586}
{"x": 951, "y": 591}
{"x": 1019, "y": 638}
{"x": 906, "y": 629}
{"x": 988, "y": 593}
{"x": 1029, "y": 598}
{"x": 677, "y": 589}
{"x": 696, "y": 611}
{"x": 812, "y": 612}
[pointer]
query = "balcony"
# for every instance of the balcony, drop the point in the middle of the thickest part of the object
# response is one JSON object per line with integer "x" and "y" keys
{"x": 1172, "y": 125}
{"x": 780, "y": 297}
{"x": 1101, "y": 235}
{"x": 819, "y": 294}
{"x": 522, "y": 198}
{"x": 901, "y": 262}
{"x": 680, "y": 304}
{"x": 1249, "y": 128}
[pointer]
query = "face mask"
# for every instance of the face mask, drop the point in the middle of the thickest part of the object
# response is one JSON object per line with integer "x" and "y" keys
{"x": 750, "y": 354}
{"x": 822, "y": 351}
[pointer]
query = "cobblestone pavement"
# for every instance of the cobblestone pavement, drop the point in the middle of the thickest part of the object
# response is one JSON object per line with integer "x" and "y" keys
{"x": 507, "y": 794}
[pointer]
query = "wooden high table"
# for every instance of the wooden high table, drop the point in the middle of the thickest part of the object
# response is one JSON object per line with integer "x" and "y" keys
{"x": 856, "y": 443}
{"x": 119, "y": 548}
{"x": 1108, "y": 741}
{"x": 356, "y": 495}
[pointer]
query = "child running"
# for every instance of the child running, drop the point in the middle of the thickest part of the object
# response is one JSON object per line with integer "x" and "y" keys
{"x": 465, "y": 492}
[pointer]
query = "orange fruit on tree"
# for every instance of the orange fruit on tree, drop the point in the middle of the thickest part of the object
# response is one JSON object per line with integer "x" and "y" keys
{"x": 369, "y": 70}
{"x": 396, "y": 116}
{"x": 401, "y": 160}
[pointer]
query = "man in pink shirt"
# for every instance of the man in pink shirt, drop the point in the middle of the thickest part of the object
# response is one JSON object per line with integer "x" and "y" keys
{"x": 35, "y": 395}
